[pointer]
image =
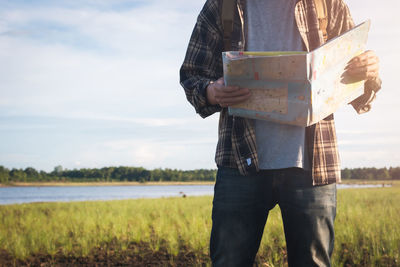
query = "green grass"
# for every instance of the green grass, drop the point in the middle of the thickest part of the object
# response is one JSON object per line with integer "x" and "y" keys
{"x": 367, "y": 227}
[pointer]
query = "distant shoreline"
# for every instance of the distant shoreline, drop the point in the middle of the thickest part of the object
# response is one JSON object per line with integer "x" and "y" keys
{"x": 46, "y": 184}
{"x": 363, "y": 182}
{"x": 60, "y": 184}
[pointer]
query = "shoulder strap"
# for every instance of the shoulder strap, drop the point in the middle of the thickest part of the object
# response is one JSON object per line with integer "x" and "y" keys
{"x": 228, "y": 12}
{"x": 322, "y": 13}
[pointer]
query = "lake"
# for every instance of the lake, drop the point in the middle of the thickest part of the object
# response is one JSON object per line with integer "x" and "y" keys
{"x": 15, "y": 195}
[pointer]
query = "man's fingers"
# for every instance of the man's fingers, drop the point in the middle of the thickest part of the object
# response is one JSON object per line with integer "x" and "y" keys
{"x": 226, "y": 102}
{"x": 364, "y": 66}
{"x": 228, "y": 95}
{"x": 231, "y": 91}
{"x": 232, "y": 99}
{"x": 364, "y": 72}
{"x": 364, "y": 59}
{"x": 228, "y": 89}
{"x": 371, "y": 61}
{"x": 363, "y": 62}
{"x": 364, "y": 69}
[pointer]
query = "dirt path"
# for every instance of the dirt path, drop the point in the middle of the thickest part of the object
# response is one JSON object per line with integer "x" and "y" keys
{"x": 135, "y": 255}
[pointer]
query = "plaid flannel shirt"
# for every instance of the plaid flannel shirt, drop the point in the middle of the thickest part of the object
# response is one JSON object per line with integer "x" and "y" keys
{"x": 236, "y": 146}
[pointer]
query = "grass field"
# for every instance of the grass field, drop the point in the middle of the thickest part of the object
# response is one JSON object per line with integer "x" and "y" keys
{"x": 175, "y": 232}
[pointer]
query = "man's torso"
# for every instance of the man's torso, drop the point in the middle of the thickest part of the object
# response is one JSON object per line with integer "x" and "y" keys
{"x": 271, "y": 26}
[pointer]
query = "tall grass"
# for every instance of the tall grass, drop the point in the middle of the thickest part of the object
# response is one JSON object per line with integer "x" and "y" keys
{"x": 79, "y": 227}
{"x": 367, "y": 227}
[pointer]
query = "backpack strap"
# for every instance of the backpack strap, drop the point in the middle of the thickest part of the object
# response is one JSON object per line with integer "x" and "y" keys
{"x": 322, "y": 13}
{"x": 228, "y": 12}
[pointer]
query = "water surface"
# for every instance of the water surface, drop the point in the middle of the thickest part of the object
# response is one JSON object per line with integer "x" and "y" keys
{"x": 14, "y": 195}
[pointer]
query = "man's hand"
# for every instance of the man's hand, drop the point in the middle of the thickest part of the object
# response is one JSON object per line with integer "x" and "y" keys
{"x": 218, "y": 93}
{"x": 363, "y": 67}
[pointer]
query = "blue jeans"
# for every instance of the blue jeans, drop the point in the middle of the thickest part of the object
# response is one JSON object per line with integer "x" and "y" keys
{"x": 240, "y": 209}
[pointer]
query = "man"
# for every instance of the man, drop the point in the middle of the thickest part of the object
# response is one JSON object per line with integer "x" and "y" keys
{"x": 260, "y": 163}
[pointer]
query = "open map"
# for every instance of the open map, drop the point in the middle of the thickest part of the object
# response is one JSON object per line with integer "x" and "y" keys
{"x": 299, "y": 88}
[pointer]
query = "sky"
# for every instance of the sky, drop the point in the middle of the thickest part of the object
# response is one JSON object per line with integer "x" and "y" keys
{"x": 95, "y": 83}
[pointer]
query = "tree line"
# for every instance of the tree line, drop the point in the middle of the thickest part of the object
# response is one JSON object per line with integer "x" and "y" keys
{"x": 106, "y": 174}
{"x": 139, "y": 174}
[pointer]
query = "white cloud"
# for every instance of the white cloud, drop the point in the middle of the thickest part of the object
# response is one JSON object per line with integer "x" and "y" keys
{"x": 146, "y": 29}
{"x": 138, "y": 69}
{"x": 371, "y": 158}
{"x": 149, "y": 153}
{"x": 54, "y": 79}
{"x": 371, "y": 141}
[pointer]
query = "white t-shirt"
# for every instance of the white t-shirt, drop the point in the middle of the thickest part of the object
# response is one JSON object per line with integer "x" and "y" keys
{"x": 271, "y": 26}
